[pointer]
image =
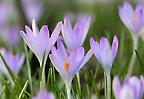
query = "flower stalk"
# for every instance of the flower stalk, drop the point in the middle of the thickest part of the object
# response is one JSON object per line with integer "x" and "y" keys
{"x": 68, "y": 89}
{"x": 108, "y": 78}
{"x": 132, "y": 61}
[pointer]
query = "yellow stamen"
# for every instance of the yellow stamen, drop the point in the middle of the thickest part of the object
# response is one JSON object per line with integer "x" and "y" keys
{"x": 66, "y": 65}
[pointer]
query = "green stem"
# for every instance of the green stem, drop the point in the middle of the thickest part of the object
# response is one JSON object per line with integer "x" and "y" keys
{"x": 78, "y": 79}
{"x": 108, "y": 85}
{"x": 105, "y": 86}
{"x": 132, "y": 61}
{"x": 68, "y": 88}
{"x": 42, "y": 71}
{"x": 28, "y": 67}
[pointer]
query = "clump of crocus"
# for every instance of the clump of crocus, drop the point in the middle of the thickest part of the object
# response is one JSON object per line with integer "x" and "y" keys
{"x": 14, "y": 62}
{"x": 131, "y": 88}
{"x": 75, "y": 37}
{"x": 68, "y": 64}
{"x": 39, "y": 41}
{"x": 105, "y": 55}
{"x": 43, "y": 94}
{"x": 134, "y": 21}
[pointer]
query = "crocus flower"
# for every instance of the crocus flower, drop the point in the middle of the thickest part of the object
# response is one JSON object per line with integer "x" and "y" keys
{"x": 103, "y": 53}
{"x": 131, "y": 88}
{"x": 133, "y": 19}
{"x": 75, "y": 37}
{"x": 33, "y": 9}
{"x": 42, "y": 94}
{"x": 14, "y": 62}
{"x": 10, "y": 36}
{"x": 68, "y": 64}
{"x": 39, "y": 41}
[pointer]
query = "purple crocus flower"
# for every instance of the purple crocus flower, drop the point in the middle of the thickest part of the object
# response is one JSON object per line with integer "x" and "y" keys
{"x": 10, "y": 36}
{"x": 75, "y": 37}
{"x": 42, "y": 94}
{"x": 39, "y": 41}
{"x": 68, "y": 64}
{"x": 103, "y": 53}
{"x": 131, "y": 88}
{"x": 133, "y": 19}
{"x": 14, "y": 62}
{"x": 33, "y": 9}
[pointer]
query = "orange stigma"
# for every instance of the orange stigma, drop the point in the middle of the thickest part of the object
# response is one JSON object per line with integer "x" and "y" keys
{"x": 66, "y": 65}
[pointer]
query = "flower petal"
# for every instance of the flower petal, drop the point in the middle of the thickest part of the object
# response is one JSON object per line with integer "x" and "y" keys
{"x": 87, "y": 57}
{"x": 104, "y": 44}
{"x": 116, "y": 87}
{"x": 95, "y": 46}
{"x": 35, "y": 28}
{"x": 114, "y": 46}
{"x": 56, "y": 33}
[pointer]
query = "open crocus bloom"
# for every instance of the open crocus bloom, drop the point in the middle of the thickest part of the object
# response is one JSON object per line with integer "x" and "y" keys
{"x": 103, "y": 53}
{"x": 75, "y": 37}
{"x": 14, "y": 62}
{"x": 39, "y": 41}
{"x": 42, "y": 94}
{"x": 133, "y": 19}
{"x": 68, "y": 64}
{"x": 131, "y": 88}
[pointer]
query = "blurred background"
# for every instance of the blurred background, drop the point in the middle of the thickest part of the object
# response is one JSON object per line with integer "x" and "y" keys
{"x": 15, "y": 14}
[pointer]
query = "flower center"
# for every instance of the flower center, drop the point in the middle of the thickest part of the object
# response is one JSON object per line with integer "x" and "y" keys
{"x": 66, "y": 65}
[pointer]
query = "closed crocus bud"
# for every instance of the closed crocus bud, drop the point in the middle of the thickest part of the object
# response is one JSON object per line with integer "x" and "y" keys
{"x": 103, "y": 53}
{"x": 39, "y": 41}
{"x": 132, "y": 18}
{"x": 42, "y": 94}
{"x": 14, "y": 62}
{"x": 131, "y": 88}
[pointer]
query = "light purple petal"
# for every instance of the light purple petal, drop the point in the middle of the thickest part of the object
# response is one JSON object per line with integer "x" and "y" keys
{"x": 106, "y": 58}
{"x": 87, "y": 58}
{"x": 114, "y": 46}
{"x": 45, "y": 30}
{"x": 104, "y": 43}
{"x": 95, "y": 46}
{"x": 116, "y": 87}
{"x": 136, "y": 85}
{"x": 67, "y": 32}
{"x": 56, "y": 33}
{"x": 125, "y": 13}
{"x": 35, "y": 28}
{"x": 86, "y": 28}
{"x": 61, "y": 49}
{"x": 42, "y": 94}
{"x": 126, "y": 93}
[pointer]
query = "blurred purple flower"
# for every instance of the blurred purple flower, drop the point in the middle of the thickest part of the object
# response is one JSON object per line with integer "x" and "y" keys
{"x": 39, "y": 41}
{"x": 10, "y": 36}
{"x": 68, "y": 64}
{"x": 14, "y": 62}
{"x": 102, "y": 51}
{"x": 133, "y": 19}
{"x": 33, "y": 9}
{"x": 75, "y": 37}
{"x": 131, "y": 88}
{"x": 42, "y": 94}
